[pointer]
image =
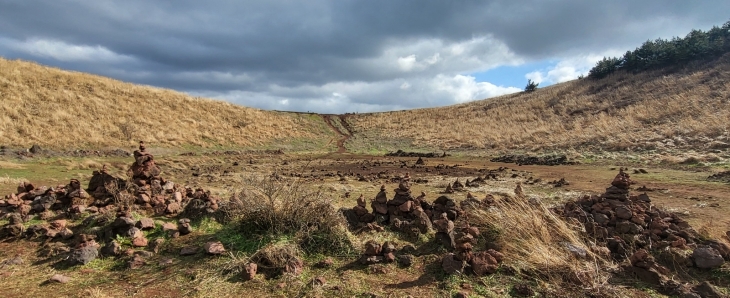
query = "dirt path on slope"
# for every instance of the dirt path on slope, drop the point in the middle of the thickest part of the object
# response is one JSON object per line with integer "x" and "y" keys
{"x": 344, "y": 136}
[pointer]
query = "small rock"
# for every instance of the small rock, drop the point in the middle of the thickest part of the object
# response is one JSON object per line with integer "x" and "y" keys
{"x": 483, "y": 263}
{"x": 140, "y": 242}
{"x": 66, "y": 234}
{"x": 168, "y": 226}
{"x": 60, "y": 278}
{"x": 143, "y": 253}
{"x": 319, "y": 281}
{"x": 388, "y": 247}
{"x": 136, "y": 262}
{"x": 389, "y": 257}
{"x": 623, "y": 212}
{"x": 451, "y": 265}
{"x": 134, "y": 232}
{"x": 17, "y": 260}
{"x": 707, "y": 258}
{"x": 173, "y": 208}
{"x": 372, "y": 248}
{"x": 184, "y": 226}
{"x": 146, "y": 224}
{"x": 461, "y": 294}
{"x": 707, "y": 290}
{"x": 188, "y": 250}
{"x": 294, "y": 266}
{"x": 249, "y": 271}
{"x": 166, "y": 262}
{"x": 157, "y": 244}
{"x": 405, "y": 260}
{"x": 84, "y": 255}
{"x": 214, "y": 248}
{"x": 408, "y": 249}
{"x": 524, "y": 290}
{"x": 111, "y": 249}
{"x": 58, "y": 224}
{"x": 123, "y": 222}
{"x": 578, "y": 252}
{"x": 326, "y": 263}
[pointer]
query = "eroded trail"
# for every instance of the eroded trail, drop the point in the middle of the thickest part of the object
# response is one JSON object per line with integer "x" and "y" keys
{"x": 343, "y": 136}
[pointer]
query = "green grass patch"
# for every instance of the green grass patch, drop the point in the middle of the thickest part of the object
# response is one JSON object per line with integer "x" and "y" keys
{"x": 105, "y": 264}
{"x": 235, "y": 240}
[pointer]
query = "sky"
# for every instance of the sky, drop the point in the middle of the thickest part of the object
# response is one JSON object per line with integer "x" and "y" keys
{"x": 337, "y": 56}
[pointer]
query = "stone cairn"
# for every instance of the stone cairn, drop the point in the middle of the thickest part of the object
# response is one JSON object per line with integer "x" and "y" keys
{"x": 414, "y": 216}
{"x": 456, "y": 186}
{"x": 629, "y": 226}
{"x": 148, "y": 192}
{"x": 43, "y": 200}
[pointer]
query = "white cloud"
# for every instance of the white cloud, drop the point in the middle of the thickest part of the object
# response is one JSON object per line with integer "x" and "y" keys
{"x": 63, "y": 51}
{"x": 466, "y": 88}
{"x": 343, "y": 97}
{"x": 535, "y": 76}
{"x": 407, "y": 63}
{"x": 570, "y": 68}
{"x": 432, "y": 56}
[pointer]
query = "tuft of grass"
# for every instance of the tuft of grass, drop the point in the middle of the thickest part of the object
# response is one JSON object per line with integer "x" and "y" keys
{"x": 9, "y": 180}
{"x": 533, "y": 239}
{"x": 105, "y": 264}
{"x": 268, "y": 206}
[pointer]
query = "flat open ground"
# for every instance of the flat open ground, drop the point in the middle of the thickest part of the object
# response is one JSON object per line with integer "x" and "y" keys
{"x": 342, "y": 177}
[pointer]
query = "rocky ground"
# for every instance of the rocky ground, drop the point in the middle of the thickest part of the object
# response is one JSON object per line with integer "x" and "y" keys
{"x": 413, "y": 224}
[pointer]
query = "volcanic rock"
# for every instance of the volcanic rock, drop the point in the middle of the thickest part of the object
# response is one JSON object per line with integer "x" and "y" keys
{"x": 60, "y": 278}
{"x": 214, "y": 248}
{"x": 707, "y": 257}
{"x": 84, "y": 255}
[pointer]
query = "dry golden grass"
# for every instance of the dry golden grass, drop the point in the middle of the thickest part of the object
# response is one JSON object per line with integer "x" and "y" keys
{"x": 63, "y": 109}
{"x": 8, "y": 180}
{"x": 536, "y": 240}
{"x": 620, "y": 112}
{"x": 10, "y": 165}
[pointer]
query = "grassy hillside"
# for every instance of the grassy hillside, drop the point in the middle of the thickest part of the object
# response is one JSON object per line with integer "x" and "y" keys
{"x": 671, "y": 108}
{"x": 675, "y": 107}
{"x": 63, "y": 109}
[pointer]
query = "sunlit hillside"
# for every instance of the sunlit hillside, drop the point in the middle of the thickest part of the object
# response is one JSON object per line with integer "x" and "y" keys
{"x": 678, "y": 107}
{"x": 64, "y": 109}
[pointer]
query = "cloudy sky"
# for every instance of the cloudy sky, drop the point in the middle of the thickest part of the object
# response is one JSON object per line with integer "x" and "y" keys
{"x": 340, "y": 55}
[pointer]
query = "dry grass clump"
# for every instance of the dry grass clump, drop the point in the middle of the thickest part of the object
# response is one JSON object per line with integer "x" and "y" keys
{"x": 9, "y": 180}
{"x": 86, "y": 164}
{"x": 10, "y": 165}
{"x": 534, "y": 240}
{"x": 64, "y": 109}
{"x": 273, "y": 207}
{"x": 276, "y": 255}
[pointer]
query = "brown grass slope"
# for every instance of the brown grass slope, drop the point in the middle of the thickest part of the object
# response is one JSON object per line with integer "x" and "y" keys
{"x": 64, "y": 109}
{"x": 689, "y": 105}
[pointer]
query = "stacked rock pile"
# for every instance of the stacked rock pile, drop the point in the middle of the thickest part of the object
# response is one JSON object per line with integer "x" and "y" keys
{"x": 630, "y": 227}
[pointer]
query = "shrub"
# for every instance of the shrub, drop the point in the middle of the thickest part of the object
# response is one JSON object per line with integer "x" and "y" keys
{"x": 271, "y": 207}
{"x": 531, "y": 86}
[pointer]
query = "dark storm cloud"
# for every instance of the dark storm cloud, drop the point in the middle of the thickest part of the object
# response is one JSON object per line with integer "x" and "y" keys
{"x": 290, "y": 50}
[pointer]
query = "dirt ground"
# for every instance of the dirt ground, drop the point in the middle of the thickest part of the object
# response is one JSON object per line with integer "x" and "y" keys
{"x": 344, "y": 177}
